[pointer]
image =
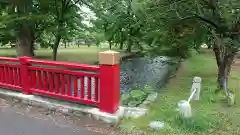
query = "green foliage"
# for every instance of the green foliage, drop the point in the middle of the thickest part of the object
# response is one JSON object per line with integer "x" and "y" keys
{"x": 154, "y": 27}
{"x": 148, "y": 89}
{"x": 118, "y": 23}
{"x": 137, "y": 94}
{"x": 134, "y": 103}
{"x": 44, "y": 19}
{"x": 136, "y": 97}
{"x": 198, "y": 123}
{"x": 125, "y": 98}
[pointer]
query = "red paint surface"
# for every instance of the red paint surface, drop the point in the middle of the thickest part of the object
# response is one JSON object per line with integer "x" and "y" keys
{"x": 89, "y": 87}
{"x": 82, "y": 88}
{"x": 59, "y": 80}
{"x": 25, "y": 75}
{"x": 109, "y": 88}
{"x": 50, "y": 81}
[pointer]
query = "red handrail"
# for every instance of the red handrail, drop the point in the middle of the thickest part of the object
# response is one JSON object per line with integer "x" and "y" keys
{"x": 9, "y": 59}
{"x": 64, "y": 64}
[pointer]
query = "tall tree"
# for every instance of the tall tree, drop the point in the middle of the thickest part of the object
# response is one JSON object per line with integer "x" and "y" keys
{"x": 23, "y": 27}
{"x": 197, "y": 21}
{"x": 118, "y": 21}
{"x": 65, "y": 17}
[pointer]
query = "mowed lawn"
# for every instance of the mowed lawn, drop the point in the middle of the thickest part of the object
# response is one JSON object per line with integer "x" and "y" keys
{"x": 84, "y": 54}
{"x": 212, "y": 116}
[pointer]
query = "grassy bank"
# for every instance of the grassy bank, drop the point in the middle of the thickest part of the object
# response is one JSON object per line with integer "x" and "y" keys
{"x": 211, "y": 114}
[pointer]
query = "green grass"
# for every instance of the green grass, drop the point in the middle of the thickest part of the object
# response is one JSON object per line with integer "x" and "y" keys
{"x": 211, "y": 114}
{"x": 84, "y": 54}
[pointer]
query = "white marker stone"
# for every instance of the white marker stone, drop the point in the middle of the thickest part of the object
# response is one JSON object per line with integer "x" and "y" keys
{"x": 196, "y": 85}
{"x": 185, "y": 109}
{"x": 157, "y": 125}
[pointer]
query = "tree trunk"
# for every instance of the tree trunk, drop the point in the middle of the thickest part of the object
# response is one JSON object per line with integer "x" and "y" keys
{"x": 12, "y": 45}
{"x": 217, "y": 56}
{"x": 223, "y": 77}
{"x": 129, "y": 46}
{"x": 122, "y": 40}
{"x": 25, "y": 40}
{"x": 55, "y": 46}
{"x": 224, "y": 68}
{"x": 65, "y": 44}
{"x": 24, "y": 48}
{"x": 110, "y": 44}
{"x": 209, "y": 46}
{"x": 139, "y": 46}
{"x": 33, "y": 48}
{"x": 121, "y": 45}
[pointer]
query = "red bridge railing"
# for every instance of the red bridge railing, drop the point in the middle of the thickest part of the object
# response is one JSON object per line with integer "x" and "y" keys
{"x": 86, "y": 84}
{"x": 10, "y": 73}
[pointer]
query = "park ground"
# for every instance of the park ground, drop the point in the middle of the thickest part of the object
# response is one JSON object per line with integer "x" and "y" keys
{"x": 83, "y": 54}
{"x": 211, "y": 113}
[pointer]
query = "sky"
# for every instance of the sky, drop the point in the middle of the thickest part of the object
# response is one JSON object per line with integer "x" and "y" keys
{"x": 88, "y": 15}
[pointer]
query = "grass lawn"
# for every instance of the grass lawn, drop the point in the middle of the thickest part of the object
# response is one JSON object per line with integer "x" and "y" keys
{"x": 211, "y": 113}
{"x": 84, "y": 54}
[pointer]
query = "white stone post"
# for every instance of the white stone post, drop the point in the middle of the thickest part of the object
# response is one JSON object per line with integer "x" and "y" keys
{"x": 185, "y": 109}
{"x": 196, "y": 85}
{"x": 184, "y": 106}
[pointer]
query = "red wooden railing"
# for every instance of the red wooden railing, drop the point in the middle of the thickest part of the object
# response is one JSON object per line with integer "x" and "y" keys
{"x": 10, "y": 74}
{"x": 87, "y": 84}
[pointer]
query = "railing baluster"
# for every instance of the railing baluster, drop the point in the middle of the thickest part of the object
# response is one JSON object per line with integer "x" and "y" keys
{"x": 6, "y": 74}
{"x": 14, "y": 76}
{"x": 69, "y": 90}
{"x": 39, "y": 76}
{"x": 33, "y": 78}
{"x": 82, "y": 90}
{"x": 56, "y": 82}
{"x": 18, "y": 77}
{"x": 45, "y": 81}
{"x": 63, "y": 84}
{"x": 50, "y": 81}
{"x": 75, "y": 86}
{"x": 10, "y": 75}
{"x": 89, "y": 87}
{"x": 1, "y": 74}
{"x": 96, "y": 88}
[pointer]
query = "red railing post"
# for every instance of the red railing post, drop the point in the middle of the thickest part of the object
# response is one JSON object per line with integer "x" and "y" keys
{"x": 109, "y": 81}
{"x": 25, "y": 76}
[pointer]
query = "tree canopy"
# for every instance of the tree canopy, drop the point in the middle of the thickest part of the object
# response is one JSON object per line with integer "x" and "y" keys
{"x": 157, "y": 27}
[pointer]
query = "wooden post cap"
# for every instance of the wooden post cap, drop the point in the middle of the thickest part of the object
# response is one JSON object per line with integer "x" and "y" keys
{"x": 109, "y": 58}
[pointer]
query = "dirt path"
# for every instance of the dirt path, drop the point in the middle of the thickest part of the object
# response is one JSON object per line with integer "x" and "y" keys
{"x": 18, "y": 118}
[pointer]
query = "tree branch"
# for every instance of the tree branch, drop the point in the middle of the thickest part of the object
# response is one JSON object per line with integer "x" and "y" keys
{"x": 66, "y": 5}
{"x": 201, "y": 19}
{"x": 98, "y": 10}
{"x": 57, "y": 9}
